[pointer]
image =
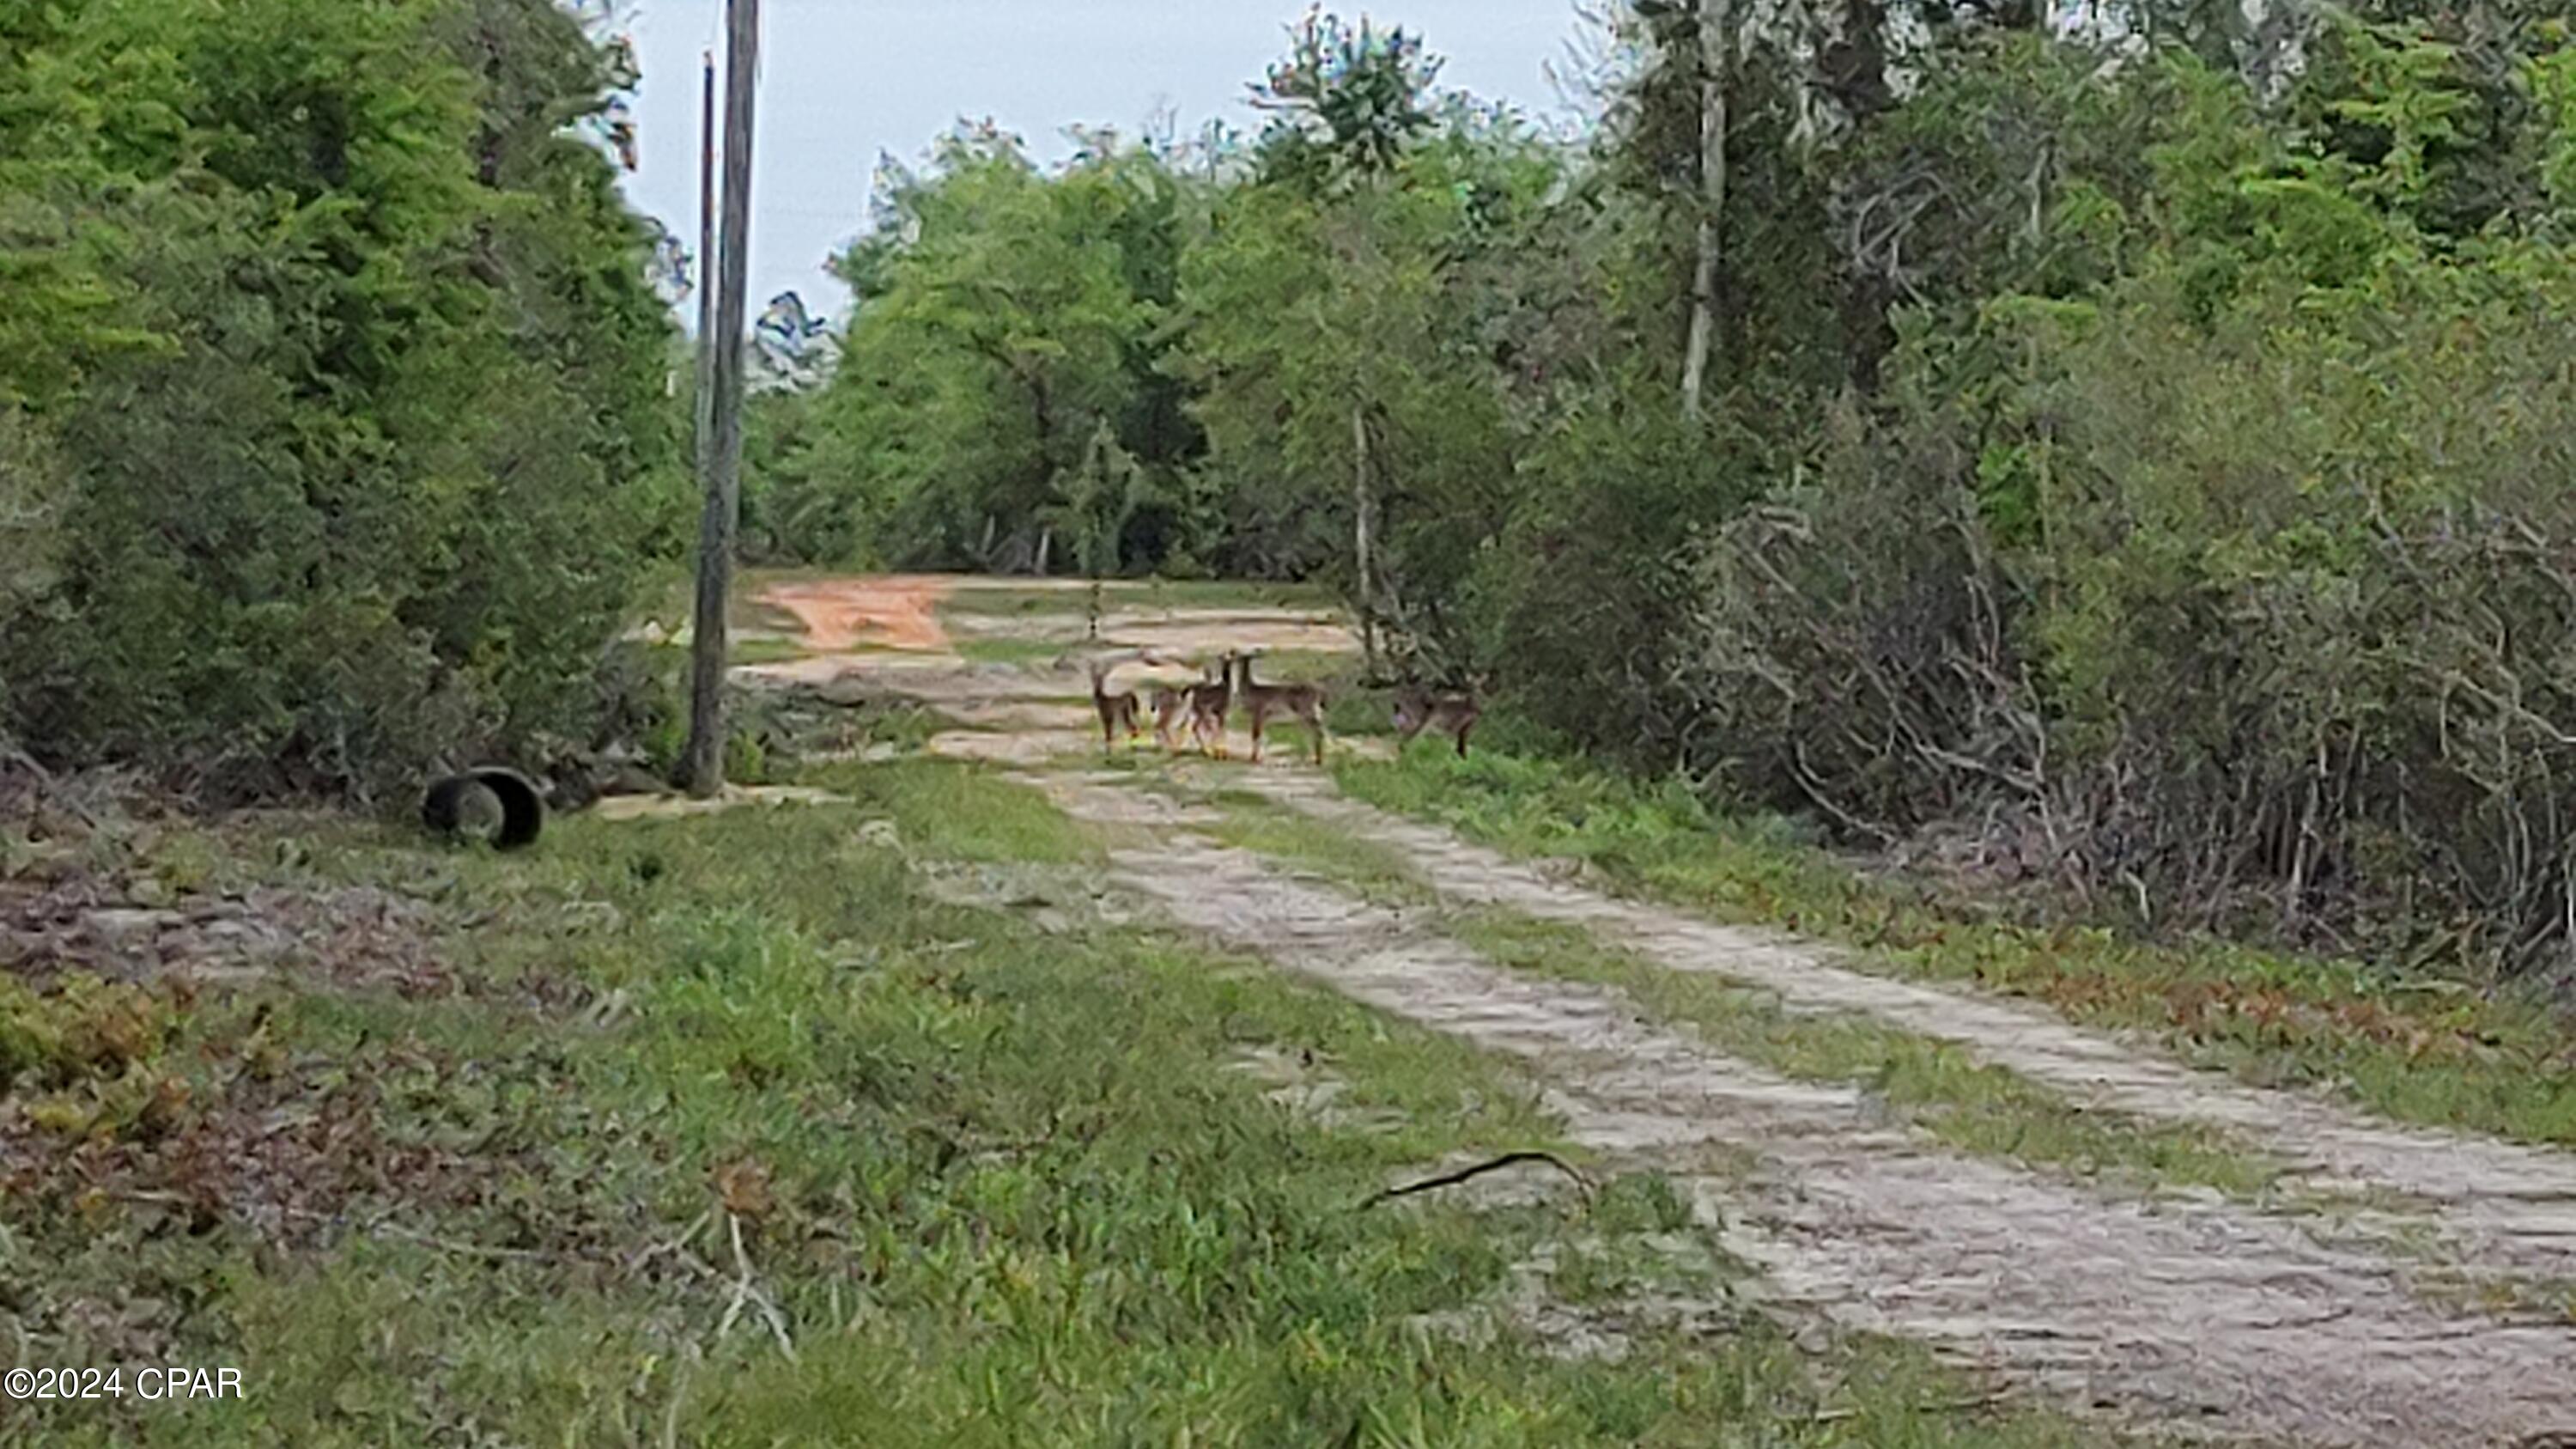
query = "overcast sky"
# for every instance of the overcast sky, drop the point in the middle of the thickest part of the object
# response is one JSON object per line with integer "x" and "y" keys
{"x": 842, "y": 80}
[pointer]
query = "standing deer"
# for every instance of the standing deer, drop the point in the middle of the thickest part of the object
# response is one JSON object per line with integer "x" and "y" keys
{"x": 1115, "y": 707}
{"x": 1172, "y": 701}
{"x": 1209, "y": 703}
{"x": 1452, "y": 712}
{"x": 1305, "y": 701}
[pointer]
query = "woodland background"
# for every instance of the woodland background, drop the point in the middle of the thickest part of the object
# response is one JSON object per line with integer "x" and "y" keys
{"x": 2122, "y": 451}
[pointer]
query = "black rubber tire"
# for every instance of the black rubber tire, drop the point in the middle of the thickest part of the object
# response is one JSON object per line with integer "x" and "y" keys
{"x": 523, "y": 806}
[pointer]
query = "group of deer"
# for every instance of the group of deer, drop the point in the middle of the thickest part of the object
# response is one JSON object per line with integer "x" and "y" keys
{"x": 1203, "y": 707}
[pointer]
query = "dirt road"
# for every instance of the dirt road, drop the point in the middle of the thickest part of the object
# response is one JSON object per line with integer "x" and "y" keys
{"x": 2216, "y": 1317}
{"x": 894, "y": 611}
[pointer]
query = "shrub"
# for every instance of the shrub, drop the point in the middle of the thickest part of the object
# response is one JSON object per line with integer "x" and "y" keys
{"x": 353, "y": 436}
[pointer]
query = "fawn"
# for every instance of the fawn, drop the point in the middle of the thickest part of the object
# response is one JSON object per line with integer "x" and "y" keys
{"x": 1115, "y": 707}
{"x": 1305, "y": 701}
{"x": 1451, "y": 711}
{"x": 1171, "y": 701}
{"x": 1209, "y": 703}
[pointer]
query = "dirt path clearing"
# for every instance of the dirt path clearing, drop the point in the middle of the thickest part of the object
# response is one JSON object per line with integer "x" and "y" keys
{"x": 2503, "y": 1205}
{"x": 2185, "y": 1314}
{"x": 898, "y": 611}
{"x": 2202, "y": 1316}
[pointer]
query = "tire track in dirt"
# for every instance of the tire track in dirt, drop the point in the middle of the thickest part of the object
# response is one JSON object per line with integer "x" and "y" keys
{"x": 2502, "y": 1205}
{"x": 2189, "y": 1316}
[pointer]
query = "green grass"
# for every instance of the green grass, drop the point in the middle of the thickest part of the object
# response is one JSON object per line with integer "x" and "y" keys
{"x": 1127, "y": 594}
{"x": 1992, "y": 1111}
{"x": 1007, "y": 603}
{"x": 768, "y": 726}
{"x": 1223, "y": 594}
{"x": 903, "y": 724}
{"x": 963, "y": 811}
{"x": 670, "y": 658}
{"x": 763, "y": 650}
{"x": 2422, "y": 1051}
{"x": 1989, "y": 1110}
{"x": 1331, "y": 668}
{"x": 1012, "y": 651}
{"x": 672, "y": 599}
{"x": 1350, "y": 710}
{"x": 1377, "y": 873}
{"x": 1002, "y": 1188}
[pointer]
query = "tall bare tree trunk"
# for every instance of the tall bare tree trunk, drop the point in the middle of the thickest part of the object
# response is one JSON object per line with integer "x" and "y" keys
{"x": 1712, "y": 179}
{"x": 1362, "y": 543}
{"x": 703, "y": 761}
{"x": 1854, "y": 69}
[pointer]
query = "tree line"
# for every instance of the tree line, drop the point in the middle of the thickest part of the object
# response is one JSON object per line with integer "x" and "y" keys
{"x": 335, "y": 426}
{"x": 2121, "y": 446}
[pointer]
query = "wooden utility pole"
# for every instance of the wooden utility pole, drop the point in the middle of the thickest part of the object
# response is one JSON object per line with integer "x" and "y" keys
{"x": 705, "y": 436}
{"x": 1713, "y": 43}
{"x": 720, "y": 409}
{"x": 1363, "y": 545}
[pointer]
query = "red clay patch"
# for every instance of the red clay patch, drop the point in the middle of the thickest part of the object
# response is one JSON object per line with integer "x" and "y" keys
{"x": 894, "y": 611}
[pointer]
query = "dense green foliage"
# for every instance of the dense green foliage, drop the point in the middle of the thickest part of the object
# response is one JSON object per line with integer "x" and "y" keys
{"x": 333, "y": 415}
{"x": 2221, "y": 559}
{"x": 2129, "y": 458}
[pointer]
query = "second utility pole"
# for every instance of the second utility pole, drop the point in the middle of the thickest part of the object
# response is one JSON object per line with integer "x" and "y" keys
{"x": 720, "y": 410}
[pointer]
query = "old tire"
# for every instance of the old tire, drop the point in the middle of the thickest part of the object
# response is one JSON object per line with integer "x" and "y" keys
{"x": 523, "y": 806}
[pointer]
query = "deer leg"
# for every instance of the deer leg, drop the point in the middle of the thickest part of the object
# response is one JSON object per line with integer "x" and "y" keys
{"x": 1463, "y": 731}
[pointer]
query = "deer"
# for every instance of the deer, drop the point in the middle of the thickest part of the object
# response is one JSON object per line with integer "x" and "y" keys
{"x": 1209, "y": 704}
{"x": 1452, "y": 711}
{"x": 1115, "y": 708}
{"x": 1305, "y": 701}
{"x": 1172, "y": 701}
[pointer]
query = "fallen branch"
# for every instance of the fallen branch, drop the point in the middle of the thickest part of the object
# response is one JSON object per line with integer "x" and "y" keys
{"x": 467, "y": 1250}
{"x": 745, "y": 1289}
{"x": 1937, "y": 1406}
{"x": 679, "y": 1397}
{"x": 676, "y": 1245}
{"x": 1491, "y": 1164}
